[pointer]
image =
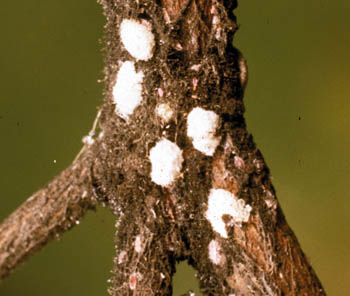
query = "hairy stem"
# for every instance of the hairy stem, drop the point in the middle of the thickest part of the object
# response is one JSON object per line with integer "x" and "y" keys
{"x": 46, "y": 215}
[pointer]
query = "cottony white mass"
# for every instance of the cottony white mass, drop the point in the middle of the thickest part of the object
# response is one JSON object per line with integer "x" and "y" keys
{"x": 215, "y": 253}
{"x": 222, "y": 202}
{"x": 201, "y": 128}
{"x": 137, "y": 38}
{"x": 165, "y": 112}
{"x": 127, "y": 91}
{"x": 166, "y": 159}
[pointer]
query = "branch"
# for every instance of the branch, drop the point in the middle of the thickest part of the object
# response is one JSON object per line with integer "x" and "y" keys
{"x": 46, "y": 215}
{"x": 192, "y": 184}
{"x": 174, "y": 161}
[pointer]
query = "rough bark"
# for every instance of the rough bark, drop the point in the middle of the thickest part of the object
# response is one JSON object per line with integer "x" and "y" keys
{"x": 46, "y": 215}
{"x": 194, "y": 64}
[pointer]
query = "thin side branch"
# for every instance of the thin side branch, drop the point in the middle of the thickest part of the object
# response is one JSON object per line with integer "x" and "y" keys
{"x": 46, "y": 215}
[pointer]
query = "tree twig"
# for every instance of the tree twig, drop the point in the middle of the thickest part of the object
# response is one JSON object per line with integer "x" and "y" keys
{"x": 46, "y": 215}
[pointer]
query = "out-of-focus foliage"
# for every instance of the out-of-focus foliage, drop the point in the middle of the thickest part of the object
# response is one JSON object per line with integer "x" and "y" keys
{"x": 297, "y": 109}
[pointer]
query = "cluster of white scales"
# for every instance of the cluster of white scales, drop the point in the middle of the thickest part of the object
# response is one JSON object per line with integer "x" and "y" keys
{"x": 166, "y": 157}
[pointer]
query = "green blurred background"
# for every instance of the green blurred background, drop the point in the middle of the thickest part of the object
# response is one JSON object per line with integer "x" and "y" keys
{"x": 297, "y": 109}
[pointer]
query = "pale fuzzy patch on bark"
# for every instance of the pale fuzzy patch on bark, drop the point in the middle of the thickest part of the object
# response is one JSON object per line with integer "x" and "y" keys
{"x": 201, "y": 128}
{"x": 239, "y": 163}
{"x": 165, "y": 112}
{"x": 222, "y": 202}
{"x": 215, "y": 253}
{"x": 166, "y": 159}
{"x": 133, "y": 280}
{"x": 121, "y": 257}
{"x": 138, "y": 244}
{"x": 137, "y": 38}
{"x": 127, "y": 91}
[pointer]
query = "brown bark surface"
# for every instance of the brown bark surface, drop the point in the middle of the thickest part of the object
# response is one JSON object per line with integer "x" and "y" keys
{"x": 194, "y": 64}
{"x": 46, "y": 215}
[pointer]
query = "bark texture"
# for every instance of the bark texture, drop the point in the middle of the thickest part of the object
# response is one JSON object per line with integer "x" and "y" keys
{"x": 193, "y": 64}
{"x": 46, "y": 215}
